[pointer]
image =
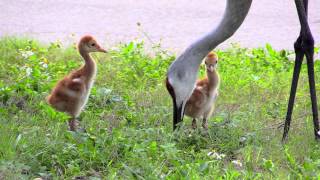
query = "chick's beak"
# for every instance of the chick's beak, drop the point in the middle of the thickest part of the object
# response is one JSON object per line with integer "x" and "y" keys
{"x": 102, "y": 50}
{"x": 210, "y": 68}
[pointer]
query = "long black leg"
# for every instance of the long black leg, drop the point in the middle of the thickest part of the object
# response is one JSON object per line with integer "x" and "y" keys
{"x": 309, "y": 52}
{"x": 303, "y": 46}
{"x": 295, "y": 78}
{"x": 309, "y": 55}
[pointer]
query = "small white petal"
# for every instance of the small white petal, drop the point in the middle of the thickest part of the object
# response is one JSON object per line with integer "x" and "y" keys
{"x": 237, "y": 163}
{"x": 26, "y": 54}
{"x": 216, "y": 156}
{"x": 243, "y": 139}
{"x": 28, "y": 71}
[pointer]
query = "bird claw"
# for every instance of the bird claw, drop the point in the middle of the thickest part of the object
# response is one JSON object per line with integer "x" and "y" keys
{"x": 194, "y": 124}
{"x": 74, "y": 125}
{"x": 205, "y": 126}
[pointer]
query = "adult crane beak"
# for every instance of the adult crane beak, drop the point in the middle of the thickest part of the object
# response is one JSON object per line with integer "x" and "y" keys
{"x": 177, "y": 107}
{"x": 177, "y": 115}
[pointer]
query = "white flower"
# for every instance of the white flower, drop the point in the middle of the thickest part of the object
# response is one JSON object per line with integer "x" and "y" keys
{"x": 237, "y": 163}
{"x": 216, "y": 155}
{"x": 43, "y": 64}
{"x": 210, "y": 153}
{"x": 318, "y": 132}
{"x": 162, "y": 176}
{"x": 28, "y": 71}
{"x": 249, "y": 54}
{"x": 256, "y": 78}
{"x": 243, "y": 139}
{"x": 291, "y": 57}
{"x": 26, "y": 54}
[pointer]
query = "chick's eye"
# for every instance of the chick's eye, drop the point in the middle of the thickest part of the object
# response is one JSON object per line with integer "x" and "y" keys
{"x": 93, "y": 44}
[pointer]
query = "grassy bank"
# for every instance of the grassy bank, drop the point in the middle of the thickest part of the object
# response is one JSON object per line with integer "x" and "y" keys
{"x": 128, "y": 118}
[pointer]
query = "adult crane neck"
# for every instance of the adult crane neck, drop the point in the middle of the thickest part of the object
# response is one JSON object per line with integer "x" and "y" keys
{"x": 234, "y": 15}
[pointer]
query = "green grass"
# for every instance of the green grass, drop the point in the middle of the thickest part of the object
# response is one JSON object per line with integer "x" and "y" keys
{"x": 129, "y": 124}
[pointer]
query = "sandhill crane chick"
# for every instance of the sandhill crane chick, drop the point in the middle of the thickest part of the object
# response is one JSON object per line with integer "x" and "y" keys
{"x": 201, "y": 102}
{"x": 70, "y": 95}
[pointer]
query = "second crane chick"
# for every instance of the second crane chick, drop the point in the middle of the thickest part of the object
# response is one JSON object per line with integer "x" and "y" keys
{"x": 201, "y": 102}
{"x": 71, "y": 94}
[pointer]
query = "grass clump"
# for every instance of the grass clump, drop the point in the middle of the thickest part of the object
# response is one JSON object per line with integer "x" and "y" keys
{"x": 128, "y": 118}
